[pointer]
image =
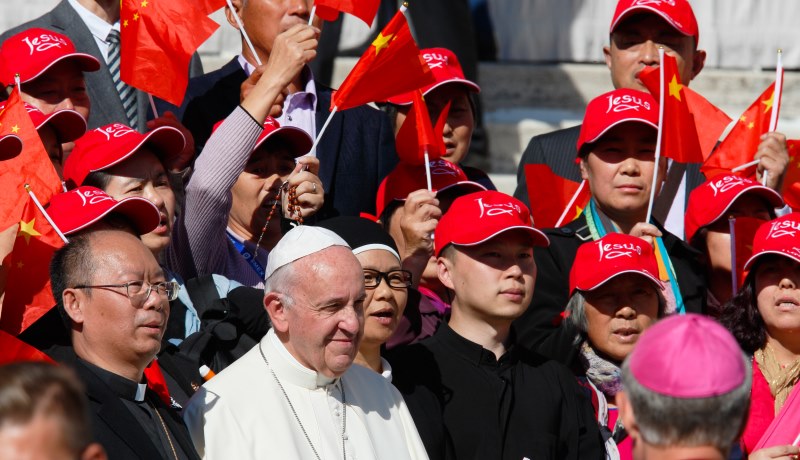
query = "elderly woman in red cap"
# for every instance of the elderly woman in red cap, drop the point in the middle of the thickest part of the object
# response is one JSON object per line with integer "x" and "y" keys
{"x": 616, "y": 295}
{"x": 765, "y": 319}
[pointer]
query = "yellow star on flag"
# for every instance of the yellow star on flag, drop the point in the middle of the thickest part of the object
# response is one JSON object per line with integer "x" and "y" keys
{"x": 135, "y": 16}
{"x": 20, "y": 264}
{"x": 751, "y": 125}
{"x": 15, "y": 129}
{"x": 675, "y": 88}
{"x": 26, "y": 230}
{"x": 144, "y": 4}
{"x": 381, "y": 42}
{"x": 125, "y": 23}
{"x": 578, "y": 211}
{"x": 768, "y": 102}
{"x": 743, "y": 118}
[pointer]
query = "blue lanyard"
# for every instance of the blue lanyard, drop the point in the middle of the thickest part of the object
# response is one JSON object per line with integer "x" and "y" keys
{"x": 259, "y": 269}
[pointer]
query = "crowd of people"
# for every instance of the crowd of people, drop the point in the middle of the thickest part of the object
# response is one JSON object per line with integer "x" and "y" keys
{"x": 225, "y": 275}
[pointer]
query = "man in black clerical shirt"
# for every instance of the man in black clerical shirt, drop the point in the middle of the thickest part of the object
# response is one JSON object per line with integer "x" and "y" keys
{"x": 472, "y": 392}
{"x": 114, "y": 295}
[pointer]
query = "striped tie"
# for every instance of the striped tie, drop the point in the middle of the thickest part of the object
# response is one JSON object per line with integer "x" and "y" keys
{"x": 126, "y": 94}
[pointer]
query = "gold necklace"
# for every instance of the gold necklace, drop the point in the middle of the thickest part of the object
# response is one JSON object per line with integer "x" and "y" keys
{"x": 166, "y": 431}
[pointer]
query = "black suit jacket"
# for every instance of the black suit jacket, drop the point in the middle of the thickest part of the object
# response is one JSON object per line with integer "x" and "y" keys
{"x": 539, "y": 328}
{"x": 356, "y": 151}
{"x": 113, "y": 425}
{"x": 106, "y": 105}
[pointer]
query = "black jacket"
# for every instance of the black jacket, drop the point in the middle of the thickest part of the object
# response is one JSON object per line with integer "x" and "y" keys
{"x": 538, "y": 328}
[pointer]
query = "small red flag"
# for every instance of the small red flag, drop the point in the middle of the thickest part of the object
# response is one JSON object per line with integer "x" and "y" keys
{"x": 362, "y": 9}
{"x": 391, "y": 65}
{"x": 14, "y": 350}
{"x": 32, "y": 166}
{"x": 551, "y": 196}
{"x": 157, "y": 382}
{"x": 709, "y": 120}
{"x": 679, "y": 139}
{"x": 158, "y": 38}
{"x": 740, "y": 145}
{"x": 416, "y": 135}
{"x": 791, "y": 180}
{"x": 28, "y": 295}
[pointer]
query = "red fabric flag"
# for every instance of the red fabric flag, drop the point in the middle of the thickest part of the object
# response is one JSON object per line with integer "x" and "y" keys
{"x": 210, "y": 6}
{"x": 550, "y": 195}
{"x": 28, "y": 295}
{"x": 791, "y": 181}
{"x": 740, "y": 145}
{"x": 679, "y": 139}
{"x": 158, "y": 38}
{"x": 32, "y": 166}
{"x": 391, "y": 65}
{"x": 362, "y": 9}
{"x": 157, "y": 382}
{"x": 709, "y": 120}
{"x": 744, "y": 231}
{"x": 14, "y": 350}
{"x": 416, "y": 134}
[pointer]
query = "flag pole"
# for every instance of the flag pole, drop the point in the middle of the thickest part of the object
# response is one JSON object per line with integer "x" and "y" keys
{"x": 324, "y": 127}
{"x": 44, "y": 213}
{"x": 660, "y": 130}
{"x": 428, "y": 170}
{"x": 746, "y": 165}
{"x": 244, "y": 32}
{"x": 152, "y": 106}
{"x": 734, "y": 275}
{"x": 570, "y": 204}
{"x": 311, "y": 15}
{"x": 776, "y": 102}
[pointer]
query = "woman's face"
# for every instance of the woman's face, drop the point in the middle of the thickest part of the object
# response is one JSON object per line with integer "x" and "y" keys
{"x": 618, "y": 312}
{"x": 384, "y": 304}
{"x": 777, "y": 283}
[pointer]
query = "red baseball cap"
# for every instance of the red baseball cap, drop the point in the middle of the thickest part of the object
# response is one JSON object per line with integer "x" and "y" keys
{"x": 688, "y": 356}
{"x": 406, "y": 178}
{"x": 478, "y": 217}
{"x": 678, "y": 13}
{"x": 78, "y": 209}
{"x": 299, "y": 141}
{"x": 104, "y": 147}
{"x": 710, "y": 201}
{"x": 10, "y": 146}
{"x": 613, "y": 108}
{"x": 68, "y": 124}
{"x": 445, "y": 69}
{"x": 32, "y": 52}
{"x": 779, "y": 236}
{"x": 598, "y": 262}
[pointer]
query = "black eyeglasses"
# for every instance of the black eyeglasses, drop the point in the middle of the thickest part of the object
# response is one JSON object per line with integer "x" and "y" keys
{"x": 396, "y": 279}
{"x": 137, "y": 293}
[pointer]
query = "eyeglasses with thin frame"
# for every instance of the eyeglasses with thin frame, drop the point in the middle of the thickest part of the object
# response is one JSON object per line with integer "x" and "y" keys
{"x": 396, "y": 279}
{"x": 136, "y": 291}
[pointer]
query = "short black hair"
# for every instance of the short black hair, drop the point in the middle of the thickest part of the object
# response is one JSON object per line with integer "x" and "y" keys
{"x": 98, "y": 179}
{"x": 71, "y": 266}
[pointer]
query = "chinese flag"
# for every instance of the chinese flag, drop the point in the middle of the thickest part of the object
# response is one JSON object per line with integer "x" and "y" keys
{"x": 791, "y": 192}
{"x": 550, "y": 195}
{"x": 709, "y": 120}
{"x": 744, "y": 231}
{"x": 362, "y": 9}
{"x": 32, "y": 166}
{"x": 13, "y": 350}
{"x": 416, "y": 135}
{"x": 28, "y": 294}
{"x": 157, "y": 382}
{"x": 679, "y": 139}
{"x": 740, "y": 145}
{"x": 390, "y": 66}
{"x": 158, "y": 38}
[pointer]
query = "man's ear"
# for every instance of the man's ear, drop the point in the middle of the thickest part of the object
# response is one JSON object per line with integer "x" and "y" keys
{"x": 74, "y": 302}
{"x": 444, "y": 267}
{"x": 276, "y": 309}
{"x": 698, "y": 62}
{"x": 584, "y": 169}
{"x": 627, "y": 416}
{"x": 229, "y": 14}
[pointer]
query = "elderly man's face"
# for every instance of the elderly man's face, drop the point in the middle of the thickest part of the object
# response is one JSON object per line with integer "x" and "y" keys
{"x": 618, "y": 312}
{"x": 112, "y": 330}
{"x": 326, "y": 322}
{"x": 265, "y": 19}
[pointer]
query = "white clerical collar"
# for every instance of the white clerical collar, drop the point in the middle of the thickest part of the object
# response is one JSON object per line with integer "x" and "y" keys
{"x": 288, "y": 368}
{"x": 141, "y": 389}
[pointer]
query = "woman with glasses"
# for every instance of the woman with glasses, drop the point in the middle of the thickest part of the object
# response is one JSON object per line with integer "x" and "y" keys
{"x": 385, "y": 282}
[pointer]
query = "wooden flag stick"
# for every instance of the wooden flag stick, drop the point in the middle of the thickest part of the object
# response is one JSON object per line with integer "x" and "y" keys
{"x": 734, "y": 275}
{"x": 311, "y": 15}
{"x": 428, "y": 170}
{"x": 152, "y": 107}
{"x": 244, "y": 32}
{"x": 571, "y": 204}
{"x": 660, "y": 131}
{"x": 746, "y": 165}
{"x": 324, "y": 127}
{"x": 776, "y": 96}
{"x": 44, "y": 213}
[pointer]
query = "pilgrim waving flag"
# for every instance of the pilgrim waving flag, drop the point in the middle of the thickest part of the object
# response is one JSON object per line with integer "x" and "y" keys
{"x": 32, "y": 166}
{"x": 158, "y": 38}
{"x": 679, "y": 134}
{"x": 365, "y": 10}
{"x": 416, "y": 135}
{"x": 15, "y": 350}
{"x": 28, "y": 295}
{"x": 741, "y": 144}
{"x": 390, "y": 66}
{"x": 555, "y": 201}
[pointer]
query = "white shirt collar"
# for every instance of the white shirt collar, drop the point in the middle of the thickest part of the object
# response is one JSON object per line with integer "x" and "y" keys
{"x": 287, "y": 367}
{"x": 141, "y": 389}
{"x": 98, "y": 27}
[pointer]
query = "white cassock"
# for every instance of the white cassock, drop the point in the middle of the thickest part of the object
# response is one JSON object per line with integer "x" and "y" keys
{"x": 243, "y": 414}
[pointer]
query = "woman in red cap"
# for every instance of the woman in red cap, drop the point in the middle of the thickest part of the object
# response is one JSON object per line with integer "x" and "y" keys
{"x": 765, "y": 319}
